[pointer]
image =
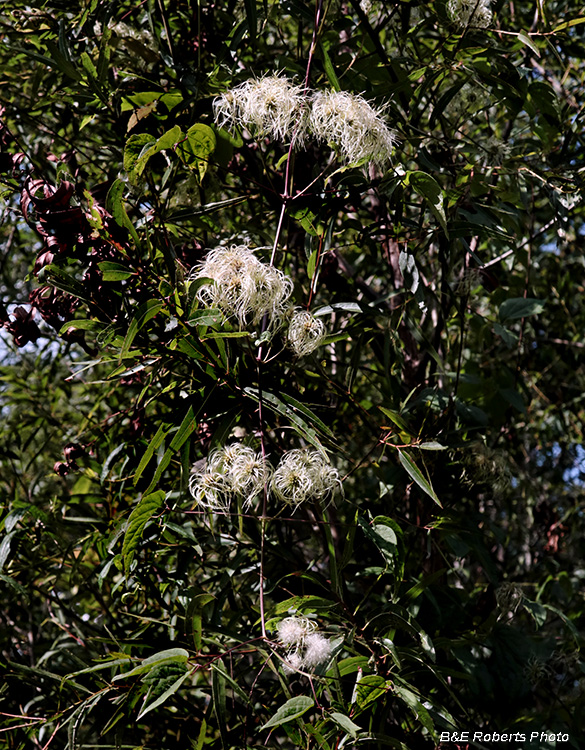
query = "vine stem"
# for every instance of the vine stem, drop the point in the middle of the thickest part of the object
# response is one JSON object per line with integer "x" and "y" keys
{"x": 264, "y": 499}
{"x": 286, "y": 197}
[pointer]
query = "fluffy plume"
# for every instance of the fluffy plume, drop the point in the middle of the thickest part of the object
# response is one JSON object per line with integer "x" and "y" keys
{"x": 242, "y": 286}
{"x": 292, "y": 631}
{"x": 304, "y": 475}
{"x": 307, "y": 649}
{"x": 305, "y": 332}
{"x": 353, "y": 125}
{"x": 272, "y": 106}
{"x": 318, "y": 650}
{"x": 232, "y": 471}
{"x": 209, "y": 490}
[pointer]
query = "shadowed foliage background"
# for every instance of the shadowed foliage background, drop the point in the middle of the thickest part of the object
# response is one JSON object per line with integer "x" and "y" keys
{"x": 448, "y": 392}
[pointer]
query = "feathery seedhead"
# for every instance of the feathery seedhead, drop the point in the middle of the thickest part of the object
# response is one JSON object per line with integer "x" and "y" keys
{"x": 209, "y": 490}
{"x": 307, "y": 648}
{"x": 470, "y": 12}
{"x": 302, "y": 475}
{"x": 292, "y": 631}
{"x": 244, "y": 472}
{"x": 305, "y": 332}
{"x": 318, "y": 650}
{"x": 293, "y": 663}
{"x": 353, "y": 125}
{"x": 232, "y": 471}
{"x": 271, "y": 106}
{"x": 242, "y": 286}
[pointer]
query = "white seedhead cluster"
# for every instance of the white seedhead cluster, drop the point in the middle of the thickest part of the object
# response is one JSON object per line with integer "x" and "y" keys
{"x": 303, "y": 475}
{"x": 273, "y": 106}
{"x": 306, "y": 649}
{"x": 470, "y": 12}
{"x": 235, "y": 470}
{"x": 353, "y": 125}
{"x": 305, "y": 332}
{"x": 255, "y": 293}
{"x": 243, "y": 287}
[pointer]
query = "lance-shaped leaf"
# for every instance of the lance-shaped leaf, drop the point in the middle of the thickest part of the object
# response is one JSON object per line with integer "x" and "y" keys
{"x": 430, "y": 190}
{"x": 148, "y": 506}
{"x": 168, "y": 656}
{"x": 416, "y": 474}
{"x": 290, "y": 710}
{"x": 162, "y": 683}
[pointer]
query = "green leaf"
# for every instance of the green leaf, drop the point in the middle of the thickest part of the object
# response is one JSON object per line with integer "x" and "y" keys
{"x": 197, "y": 147}
{"x": 329, "y": 69}
{"x": 401, "y": 618}
{"x": 219, "y": 701}
{"x": 114, "y": 271}
{"x": 115, "y": 205}
{"x": 431, "y": 445}
{"x": 60, "y": 279}
{"x": 290, "y": 412}
{"x": 415, "y": 474}
{"x": 520, "y": 307}
{"x": 306, "y": 218}
{"x": 415, "y": 591}
{"x": 146, "y": 312}
{"x": 219, "y": 666}
{"x": 5, "y": 548}
{"x": 16, "y": 586}
{"x": 525, "y": 39}
{"x": 430, "y": 190}
{"x": 88, "y": 66}
{"x": 302, "y": 604}
{"x": 82, "y": 325}
{"x": 568, "y": 24}
{"x": 202, "y": 734}
{"x": 570, "y": 625}
{"x": 166, "y": 694}
{"x": 311, "y": 265}
{"x": 397, "y": 419}
{"x": 153, "y": 446}
{"x": 142, "y": 146}
{"x": 106, "y": 664}
{"x": 148, "y": 506}
{"x": 169, "y": 139}
{"x": 536, "y": 610}
{"x": 168, "y": 656}
{"x": 137, "y": 152}
{"x": 369, "y": 688}
{"x": 314, "y": 419}
{"x": 414, "y": 703}
{"x": 187, "y": 427}
{"x": 60, "y": 60}
{"x": 252, "y": 16}
{"x": 387, "y": 535}
{"x": 78, "y": 717}
{"x": 353, "y": 307}
{"x": 290, "y": 710}
{"x": 345, "y": 723}
{"x": 509, "y": 338}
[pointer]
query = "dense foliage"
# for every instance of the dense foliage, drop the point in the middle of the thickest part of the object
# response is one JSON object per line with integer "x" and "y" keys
{"x": 292, "y": 384}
